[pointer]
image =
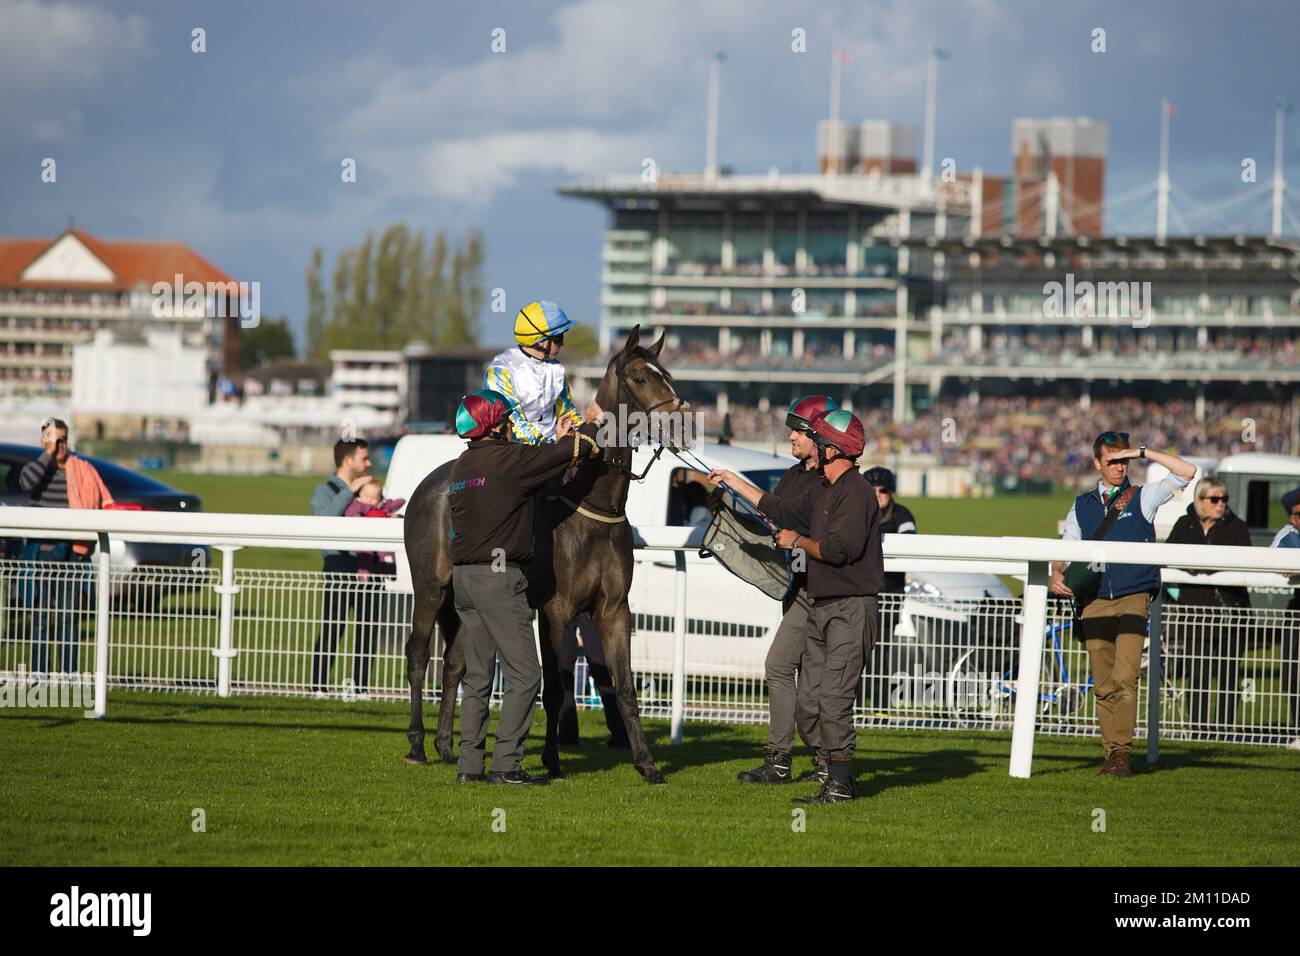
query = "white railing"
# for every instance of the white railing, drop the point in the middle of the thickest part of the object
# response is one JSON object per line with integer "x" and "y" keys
{"x": 934, "y": 627}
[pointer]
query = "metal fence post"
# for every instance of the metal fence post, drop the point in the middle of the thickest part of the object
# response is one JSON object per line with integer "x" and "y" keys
{"x": 1031, "y": 660}
{"x": 226, "y": 632}
{"x": 679, "y": 648}
{"x": 103, "y": 597}
{"x": 1155, "y": 678}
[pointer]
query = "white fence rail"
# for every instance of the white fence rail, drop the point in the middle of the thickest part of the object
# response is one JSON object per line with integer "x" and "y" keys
{"x": 994, "y": 663}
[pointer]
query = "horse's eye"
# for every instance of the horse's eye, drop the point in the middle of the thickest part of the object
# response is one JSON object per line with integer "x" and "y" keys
{"x": 639, "y": 381}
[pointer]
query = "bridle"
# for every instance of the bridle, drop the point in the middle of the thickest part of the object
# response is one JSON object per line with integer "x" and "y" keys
{"x": 622, "y": 459}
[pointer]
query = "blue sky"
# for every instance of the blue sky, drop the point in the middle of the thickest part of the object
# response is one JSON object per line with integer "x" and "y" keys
{"x": 237, "y": 151}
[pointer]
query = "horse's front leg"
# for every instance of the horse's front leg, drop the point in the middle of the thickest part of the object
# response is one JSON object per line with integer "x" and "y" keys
{"x": 614, "y": 625}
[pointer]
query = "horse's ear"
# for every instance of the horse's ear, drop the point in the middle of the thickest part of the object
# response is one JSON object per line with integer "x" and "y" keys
{"x": 658, "y": 346}
{"x": 633, "y": 338}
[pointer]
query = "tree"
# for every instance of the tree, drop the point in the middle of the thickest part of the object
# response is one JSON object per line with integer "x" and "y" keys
{"x": 581, "y": 342}
{"x": 267, "y": 341}
{"x": 389, "y": 292}
{"x": 315, "y": 349}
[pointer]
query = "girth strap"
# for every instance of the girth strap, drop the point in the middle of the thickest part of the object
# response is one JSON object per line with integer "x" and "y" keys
{"x": 594, "y": 516}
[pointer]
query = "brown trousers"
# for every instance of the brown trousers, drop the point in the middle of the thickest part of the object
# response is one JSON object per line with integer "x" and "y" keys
{"x": 1115, "y": 630}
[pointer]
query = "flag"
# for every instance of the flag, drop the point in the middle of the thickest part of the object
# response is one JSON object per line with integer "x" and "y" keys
{"x": 1283, "y": 105}
{"x": 721, "y": 56}
{"x": 941, "y": 54}
{"x": 844, "y": 56}
{"x": 1169, "y": 108}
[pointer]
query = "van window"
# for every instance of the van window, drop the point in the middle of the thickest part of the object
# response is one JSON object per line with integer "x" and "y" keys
{"x": 1263, "y": 505}
{"x": 688, "y": 498}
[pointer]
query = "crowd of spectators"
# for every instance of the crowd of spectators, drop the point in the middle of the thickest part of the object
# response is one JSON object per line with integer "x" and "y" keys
{"x": 1170, "y": 349}
{"x": 1042, "y": 438}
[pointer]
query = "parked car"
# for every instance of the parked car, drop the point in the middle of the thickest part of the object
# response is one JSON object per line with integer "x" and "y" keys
{"x": 128, "y": 489}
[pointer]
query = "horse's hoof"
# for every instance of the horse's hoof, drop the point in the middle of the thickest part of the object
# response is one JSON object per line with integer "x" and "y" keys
{"x": 557, "y": 775}
{"x": 446, "y": 756}
{"x": 653, "y": 777}
{"x": 415, "y": 759}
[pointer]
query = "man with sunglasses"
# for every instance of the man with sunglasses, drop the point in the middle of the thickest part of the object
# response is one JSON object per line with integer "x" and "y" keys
{"x": 531, "y": 376}
{"x": 1112, "y": 618}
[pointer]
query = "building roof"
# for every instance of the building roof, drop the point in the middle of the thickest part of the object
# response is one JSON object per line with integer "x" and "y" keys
{"x": 129, "y": 264}
{"x": 847, "y": 189}
{"x": 1109, "y": 245}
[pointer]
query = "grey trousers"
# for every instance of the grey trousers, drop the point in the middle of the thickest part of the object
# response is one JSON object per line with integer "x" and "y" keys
{"x": 840, "y": 634}
{"x": 783, "y": 660}
{"x": 493, "y": 606}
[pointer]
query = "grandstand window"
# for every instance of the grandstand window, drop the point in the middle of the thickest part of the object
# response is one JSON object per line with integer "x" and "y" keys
{"x": 785, "y": 238}
{"x": 749, "y": 238}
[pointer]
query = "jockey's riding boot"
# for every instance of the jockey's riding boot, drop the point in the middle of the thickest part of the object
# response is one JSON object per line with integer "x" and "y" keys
{"x": 775, "y": 768}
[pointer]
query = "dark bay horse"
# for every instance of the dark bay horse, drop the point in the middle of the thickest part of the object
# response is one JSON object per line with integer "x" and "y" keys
{"x": 582, "y": 561}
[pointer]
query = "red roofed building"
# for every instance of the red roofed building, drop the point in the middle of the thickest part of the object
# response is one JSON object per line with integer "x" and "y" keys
{"x": 55, "y": 294}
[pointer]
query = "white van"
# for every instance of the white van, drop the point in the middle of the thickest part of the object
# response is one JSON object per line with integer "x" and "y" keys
{"x": 730, "y": 624}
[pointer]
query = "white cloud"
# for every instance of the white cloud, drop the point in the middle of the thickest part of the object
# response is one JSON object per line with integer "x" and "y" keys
{"x": 610, "y": 82}
{"x": 58, "y": 46}
{"x": 474, "y": 167}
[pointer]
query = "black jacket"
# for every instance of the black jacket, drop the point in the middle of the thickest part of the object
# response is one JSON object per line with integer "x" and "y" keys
{"x": 1229, "y": 530}
{"x": 845, "y": 519}
{"x": 896, "y": 519}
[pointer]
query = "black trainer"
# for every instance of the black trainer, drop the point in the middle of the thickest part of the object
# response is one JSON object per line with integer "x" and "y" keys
{"x": 518, "y": 778}
{"x": 832, "y": 791}
{"x": 470, "y": 777}
{"x": 820, "y": 772}
{"x": 775, "y": 768}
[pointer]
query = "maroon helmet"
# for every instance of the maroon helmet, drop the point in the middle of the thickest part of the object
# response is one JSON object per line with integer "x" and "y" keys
{"x": 799, "y": 417}
{"x": 841, "y": 429}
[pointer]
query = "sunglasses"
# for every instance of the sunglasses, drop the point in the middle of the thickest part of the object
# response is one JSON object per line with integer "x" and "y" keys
{"x": 1295, "y": 514}
{"x": 1215, "y": 499}
{"x": 1110, "y": 438}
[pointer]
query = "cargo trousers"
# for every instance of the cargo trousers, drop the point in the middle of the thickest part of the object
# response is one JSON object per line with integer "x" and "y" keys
{"x": 786, "y": 709}
{"x": 839, "y": 636}
{"x": 498, "y": 623}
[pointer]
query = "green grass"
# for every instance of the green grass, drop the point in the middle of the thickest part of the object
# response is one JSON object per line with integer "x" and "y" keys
{"x": 301, "y": 782}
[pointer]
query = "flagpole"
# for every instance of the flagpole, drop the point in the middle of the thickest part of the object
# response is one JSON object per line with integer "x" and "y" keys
{"x": 1279, "y": 183}
{"x": 711, "y": 143}
{"x": 835, "y": 113}
{"x": 931, "y": 91}
{"x": 1162, "y": 182}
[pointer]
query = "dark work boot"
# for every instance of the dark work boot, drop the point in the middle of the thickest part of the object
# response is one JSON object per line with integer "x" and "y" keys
{"x": 775, "y": 768}
{"x": 820, "y": 771}
{"x": 832, "y": 791}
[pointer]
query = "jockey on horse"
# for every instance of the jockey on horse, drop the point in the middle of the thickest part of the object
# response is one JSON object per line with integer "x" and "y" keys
{"x": 531, "y": 376}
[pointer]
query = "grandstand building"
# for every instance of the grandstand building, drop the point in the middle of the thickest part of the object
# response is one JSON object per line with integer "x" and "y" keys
{"x": 903, "y": 295}
{"x": 1194, "y": 318}
{"x": 772, "y": 286}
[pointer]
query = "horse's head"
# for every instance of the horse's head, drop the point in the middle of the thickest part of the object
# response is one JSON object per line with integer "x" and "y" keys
{"x": 636, "y": 381}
